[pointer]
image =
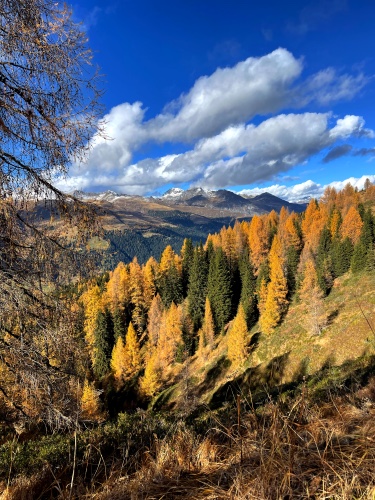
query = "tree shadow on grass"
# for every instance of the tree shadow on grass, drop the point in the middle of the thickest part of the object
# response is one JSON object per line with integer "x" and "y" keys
{"x": 261, "y": 381}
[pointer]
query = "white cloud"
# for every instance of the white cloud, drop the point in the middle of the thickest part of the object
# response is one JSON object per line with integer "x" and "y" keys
{"x": 213, "y": 118}
{"x": 229, "y": 96}
{"x": 307, "y": 189}
{"x": 241, "y": 154}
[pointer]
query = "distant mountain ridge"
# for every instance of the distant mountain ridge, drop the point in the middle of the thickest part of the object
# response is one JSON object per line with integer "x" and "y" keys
{"x": 228, "y": 200}
{"x": 144, "y": 226}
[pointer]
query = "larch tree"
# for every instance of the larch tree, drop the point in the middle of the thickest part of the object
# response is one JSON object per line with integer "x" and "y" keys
{"x": 92, "y": 302}
{"x": 352, "y": 225}
{"x": 151, "y": 381}
{"x": 132, "y": 353}
{"x": 137, "y": 294}
{"x": 49, "y": 112}
{"x": 335, "y": 222}
{"x": 258, "y": 240}
{"x": 293, "y": 232}
{"x": 208, "y": 327}
{"x": 314, "y": 220}
{"x": 117, "y": 294}
{"x": 170, "y": 336}
{"x": 119, "y": 361}
{"x": 90, "y": 402}
{"x": 228, "y": 242}
{"x": 150, "y": 271}
{"x": 155, "y": 314}
{"x": 312, "y": 296}
{"x": 277, "y": 290}
{"x": 238, "y": 339}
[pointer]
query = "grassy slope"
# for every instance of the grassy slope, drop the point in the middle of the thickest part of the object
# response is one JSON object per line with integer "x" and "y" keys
{"x": 281, "y": 360}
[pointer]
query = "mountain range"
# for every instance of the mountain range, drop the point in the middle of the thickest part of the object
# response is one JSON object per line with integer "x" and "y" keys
{"x": 144, "y": 226}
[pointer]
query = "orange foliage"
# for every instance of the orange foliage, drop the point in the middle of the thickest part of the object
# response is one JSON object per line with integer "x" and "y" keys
{"x": 238, "y": 338}
{"x": 352, "y": 225}
{"x": 316, "y": 216}
{"x": 277, "y": 291}
{"x": 258, "y": 239}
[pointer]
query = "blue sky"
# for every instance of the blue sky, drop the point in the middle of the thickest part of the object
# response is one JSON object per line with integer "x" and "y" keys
{"x": 249, "y": 96}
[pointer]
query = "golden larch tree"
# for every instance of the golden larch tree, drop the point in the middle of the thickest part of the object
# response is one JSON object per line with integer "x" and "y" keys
{"x": 119, "y": 361}
{"x": 329, "y": 198}
{"x": 208, "y": 327}
{"x": 132, "y": 352}
{"x": 90, "y": 402}
{"x": 117, "y": 293}
{"x": 312, "y": 295}
{"x": 170, "y": 335}
{"x": 228, "y": 243}
{"x": 136, "y": 280}
{"x": 154, "y": 320}
{"x": 258, "y": 240}
{"x": 315, "y": 218}
{"x": 346, "y": 198}
{"x": 238, "y": 339}
{"x": 335, "y": 223}
{"x": 277, "y": 290}
{"x": 292, "y": 233}
{"x": 352, "y": 225}
{"x": 92, "y": 303}
{"x": 150, "y": 272}
{"x": 151, "y": 381}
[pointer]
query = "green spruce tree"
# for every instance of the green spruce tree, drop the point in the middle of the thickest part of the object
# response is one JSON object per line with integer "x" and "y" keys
{"x": 248, "y": 297}
{"x": 219, "y": 289}
{"x": 197, "y": 288}
{"x": 103, "y": 344}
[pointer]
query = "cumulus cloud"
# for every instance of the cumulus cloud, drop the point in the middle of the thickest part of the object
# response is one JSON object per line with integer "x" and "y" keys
{"x": 337, "y": 152}
{"x": 229, "y": 96}
{"x": 213, "y": 121}
{"x": 241, "y": 154}
{"x": 306, "y": 190}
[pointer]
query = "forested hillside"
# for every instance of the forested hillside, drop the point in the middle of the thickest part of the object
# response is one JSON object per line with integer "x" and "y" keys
{"x": 255, "y": 310}
{"x": 177, "y": 307}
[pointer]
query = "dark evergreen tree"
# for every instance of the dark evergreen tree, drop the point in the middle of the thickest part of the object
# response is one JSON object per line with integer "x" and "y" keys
{"x": 170, "y": 286}
{"x": 341, "y": 254}
{"x": 361, "y": 210}
{"x": 325, "y": 274}
{"x": 210, "y": 250}
{"x": 324, "y": 266}
{"x": 219, "y": 289}
{"x": 248, "y": 296}
{"x": 104, "y": 340}
{"x": 292, "y": 260}
{"x": 359, "y": 257}
{"x": 187, "y": 254}
{"x": 362, "y": 258}
{"x": 370, "y": 259}
{"x": 368, "y": 230}
{"x": 197, "y": 288}
{"x": 119, "y": 324}
{"x": 263, "y": 274}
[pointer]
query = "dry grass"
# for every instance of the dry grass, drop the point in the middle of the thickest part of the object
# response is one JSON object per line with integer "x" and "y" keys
{"x": 294, "y": 449}
{"x": 308, "y": 451}
{"x": 291, "y": 450}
